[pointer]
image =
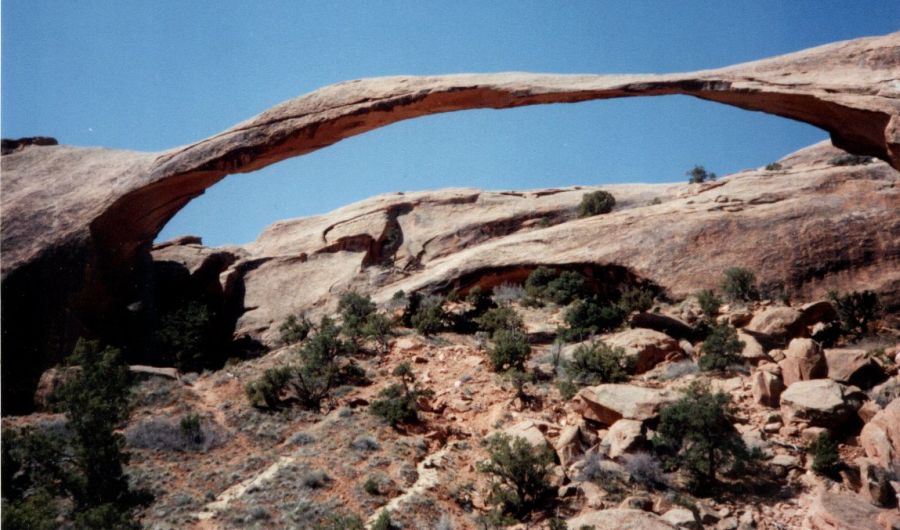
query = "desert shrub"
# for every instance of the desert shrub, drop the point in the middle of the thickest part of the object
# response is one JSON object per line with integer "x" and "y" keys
{"x": 698, "y": 175}
{"x": 773, "y": 166}
{"x": 507, "y": 293}
{"x": 721, "y": 348}
{"x": 294, "y": 329}
{"x": 566, "y": 287}
{"x": 597, "y": 362}
{"x": 365, "y": 443}
{"x": 34, "y": 479}
{"x": 341, "y": 522}
{"x": 596, "y": 203}
{"x": 538, "y": 280}
{"x": 499, "y": 318}
{"x": 371, "y": 486}
{"x": 590, "y": 317}
{"x": 636, "y": 299}
{"x": 520, "y": 474}
{"x": 709, "y": 303}
{"x": 510, "y": 350}
{"x": 696, "y": 434}
{"x": 739, "y": 284}
{"x": 185, "y": 337}
{"x": 479, "y": 299}
{"x": 429, "y": 317}
{"x": 644, "y": 469}
{"x": 315, "y": 479}
{"x": 354, "y": 309}
{"x": 826, "y": 459}
{"x": 519, "y": 378}
{"x": 379, "y": 328}
{"x": 856, "y": 311}
{"x": 848, "y": 159}
{"x": 190, "y": 434}
{"x": 38, "y": 511}
{"x": 567, "y": 389}
{"x": 399, "y": 402}
{"x": 383, "y": 522}
{"x": 397, "y": 301}
{"x": 319, "y": 370}
{"x": 266, "y": 391}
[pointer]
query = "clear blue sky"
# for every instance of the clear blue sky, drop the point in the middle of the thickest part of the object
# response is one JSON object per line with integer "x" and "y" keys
{"x": 149, "y": 75}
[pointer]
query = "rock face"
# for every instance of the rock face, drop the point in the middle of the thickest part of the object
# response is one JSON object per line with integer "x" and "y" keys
{"x": 821, "y": 402}
{"x": 881, "y": 436}
{"x": 79, "y": 222}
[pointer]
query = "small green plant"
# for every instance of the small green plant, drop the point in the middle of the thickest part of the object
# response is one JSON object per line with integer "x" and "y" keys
{"x": 698, "y": 175}
{"x": 848, "y": 159}
{"x": 591, "y": 316}
{"x": 520, "y": 472}
{"x": 566, "y": 287}
{"x": 538, "y": 280}
{"x": 398, "y": 403}
{"x": 429, "y": 317}
{"x": 597, "y": 362}
{"x": 739, "y": 284}
{"x": 696, "y": 434}
{"x": 294, "y": 329}
{"x": 341, "y": 522}
{"x": 596, "y": 203}
{"x": 567, "y": 389}
{"x": 190, "y": 428}
{"x": 773, "y": 166}
{"x": 721, "y": 348}
{"x": 380, "y": 329}
{"x": 479, "y": 299}
{"x": 510, "y": 350}
{"x": 266, "y": 391}
{"x": 709, "y": 303}
{"x": 185, "y": 337}
{"x": 372, "y": 487}
{"x": 355, "y": 309}
{"x": 856, "y": 311}
{"x": 826, "y": 459}
{"x": 638, "y": 299}
{"x": 383, "y": 522}
{"x": 499, "y": 318}
{"x": 519, "y": 378}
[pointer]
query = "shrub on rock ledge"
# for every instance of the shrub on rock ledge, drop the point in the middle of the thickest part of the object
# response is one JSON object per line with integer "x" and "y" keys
{"x": 596, "y": 203}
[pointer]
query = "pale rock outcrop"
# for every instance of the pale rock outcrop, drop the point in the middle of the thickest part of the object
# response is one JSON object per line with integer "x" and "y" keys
{"x": 619, "y": 518}
{"x": 646, "y": 347}
{"x": 820, "y": 402}
{"x": 803, "y": 360}
{"x": 609, "y": 403}
{"x": 622, "y": 437}
{"x": 846, "y": 511}
{"x": 880, "y": 438}
{"x": 854, "y": 367}
{"x": 766, "y": 385}
{"x": 753, "y": 350}
{"x": 682, "y": 518}
{"x": 529, "y": 431}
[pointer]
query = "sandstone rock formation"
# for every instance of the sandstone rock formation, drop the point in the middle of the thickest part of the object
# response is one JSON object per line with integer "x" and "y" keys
{"x": 79, "y": 222}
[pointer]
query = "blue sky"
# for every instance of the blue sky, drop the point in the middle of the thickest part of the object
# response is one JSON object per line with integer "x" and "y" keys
{"x": 149, "y": 75}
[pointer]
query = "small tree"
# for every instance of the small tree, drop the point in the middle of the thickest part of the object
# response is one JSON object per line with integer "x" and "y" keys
{"x": 856, "y": 311}
{"x": 429, "y": 317}
{"x": 597, "y": 362}
{"x": 709, "y": 303}
{"x": 596, "y": 203}
{"x": 294, "y": 329}
{"x": 519, "y": 378}
{"x": 826, "y": 458}
{"x": 499, "y": 318}
{"x": 721, "y": 348}
{"x": 566, "y": 287}
{"x": 379, "y": 328}
{"x": 399, "y": 403}
{"x": 510, "y": 350}
{"x": 184, "y": 337}
{"x": 521, "y": 474}
{"x": 591, "y": 316}
{"x": 355, "y": 309}
{"x": 383, "y": 522}
{"x": 739, "y": 284}
{"x": 696, "y": 434}
{"x": 636, "y": 299}
{"x": 698, "y": 175}
{"x": 319, "y": 370}
{"x": 266, "y": 391}
{"x": 538, "y": 280}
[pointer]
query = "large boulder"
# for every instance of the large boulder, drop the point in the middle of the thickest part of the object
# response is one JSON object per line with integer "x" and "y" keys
{"x": 623, "y": 436}
{"x": 529, "y": 431}
{"x": 646, "y": 347}
{"x": 766, "y": 385}
{"x": 803, "y": 360}
{"x": 619, "y": 519}
{"x": 820, "y": 402}
{"x": 671, "y": 326}
{"x": 880, "y": 438}
{"x": 609, "y": 403}
{"x": 780, "y": 323}
{"x": 853, "y": 367}
{"x": 846, "y": 511}
{"x": 753, "y": 350}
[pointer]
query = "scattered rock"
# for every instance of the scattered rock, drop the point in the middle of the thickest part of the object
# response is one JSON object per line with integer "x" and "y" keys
{"x": 646, "y": 346}
{"x": 50, "y": 382}
{"x": 853, "y": 367}
{"x": 766, "y": 387}
{"x": 780, "y": 323}
{"x": 671, "y": 326}
{"x": 820, "y": 402}
{"x": 880, "y": 438}
{"x": 618, "y": 519}
{"x": 843, "y": 511}
{"x": 803, "y": 361}
{"x": 529, "y": 431}
{"x": 623, "y": 436}
{"x": 753, "y": 350}
{"x": 682, "y": 518}
{"x": 611, "y": 402}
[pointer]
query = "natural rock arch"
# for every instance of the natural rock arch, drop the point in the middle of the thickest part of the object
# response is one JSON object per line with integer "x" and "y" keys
{"x": 79, "y": 222}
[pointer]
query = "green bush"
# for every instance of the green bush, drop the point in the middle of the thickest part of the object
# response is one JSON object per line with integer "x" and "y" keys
{"x": 698, "y": 175}
{"x": 696, "y": 434}
{"x": 379, "y": 328}
{"x": 739, "y": 284}
{"x": 597, "y": 362}
{"x": 774, "y": 166}
{"x": 826, "y": 458}
{"x": 636, "y": 299}
{"x": 721, "y": 348}
{"x": 856, "y": 311}
{"x": 479, "y": 299}
{"x": 383, "y": 522}
{"x": 538, "y": 280}
{"x": 319, "y": 370}
{"x": 510, "y": 350}
{"x": 499, "y": 318}
{"x": 398, "y": 403}
{"x": 185, "y": 338}
{"x": 266, "y": 391}
{"x": 429, "y": 317}
{"x": 372, "y": 487}
{"x": 566, "y": 287}
{"x": 596, "y": 203}
{"x": 355, "y": 310}
{"x": 709, "y": 303}
{"x": 190, "y": 428}
{"x": 519, "y": 378}
{"x": 590, "y": 317}
{"x": 567, "y": 389}
{"x": 848, "y": 159}
{"x": 341, "y": 522}
{"x": 520, "y": 473}
{"x": 294, "y": 329}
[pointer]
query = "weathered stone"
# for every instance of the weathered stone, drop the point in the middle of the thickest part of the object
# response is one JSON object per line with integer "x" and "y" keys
{"x": 50, "y": 382}
{"x": 782, "y": 323}
{"x": 569, "y": 446}
{"x": 803, "y": 361}
{"x": 753, "y": 350}
{"x": 880, "y": 438}
{"x": 843, "y": 511}
{"x": 529, "y": 431}
{"x": 821, "y": 402}
{"x": 645, "y": 346}
{"x": 853, "y": 367}
{"x": 637, "y": 502}
{"x": 876, "y": 484}
{"x": 623, "y": 436}
{"x": 618, "y": 519}
{"x": 682, "y": 518}
{"x": 671, "y": 326}
{"x": 609, "y": 403}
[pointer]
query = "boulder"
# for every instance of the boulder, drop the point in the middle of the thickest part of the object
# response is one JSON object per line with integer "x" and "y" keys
{"x": 780, "y": 323}
{"x": 843, "y": 511}
{"x": 529, "y": 431}
{"x": 740, "y": 317}
{"x": 853, "y": 367}
{"x": 880, "y": 438}
{"x": 50, "y": 382}
{"x": 682, "y": 518}
{"x": 820, "y": 402}
{"x": 753, "y": 350}
{"x": 821, "y": 311}
{"x": 609, "y": 403}
{"x": 671, "y": 326}
{"x": 618, "y": 519}
{"x": 570, "y": 445}
{"x": 645, "y": 346}
{"x": 875, "y": 484}
{"x": 885, "y": 392}
{"x": 623, "y": 436}
{"x": 803, "y": 360}
{"x": 766, "y": 387}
